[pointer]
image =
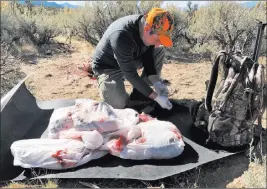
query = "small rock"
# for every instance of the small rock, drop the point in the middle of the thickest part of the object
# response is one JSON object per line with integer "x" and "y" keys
{"x": 48, "y": 75}
{"x": 48, "y": 52}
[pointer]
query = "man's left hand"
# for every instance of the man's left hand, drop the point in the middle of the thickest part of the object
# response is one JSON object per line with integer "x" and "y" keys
{"x": 161, "y": 89}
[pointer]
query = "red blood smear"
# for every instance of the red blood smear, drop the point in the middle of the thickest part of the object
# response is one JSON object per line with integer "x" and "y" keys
{"x": 101, "y": 120}
{"x": 58, "y": 156}
{"x": 177, "y": 133}
{"x": 77, "y": 137}
{"x": 141, "y": 140}
{"x": 144, "y": 117}
{"x": 67, "y": 126}
{"x": 118, "y": 144}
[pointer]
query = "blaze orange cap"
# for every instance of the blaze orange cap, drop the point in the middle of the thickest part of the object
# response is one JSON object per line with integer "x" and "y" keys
{"x": 162, "y": 22}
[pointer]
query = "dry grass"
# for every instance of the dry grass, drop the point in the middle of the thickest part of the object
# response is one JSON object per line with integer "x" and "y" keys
{"x": 51, "y": 184}
{"x": 254, "y": 177}
{"x": 33, "y": 184}
{"x": 82, "y": 47}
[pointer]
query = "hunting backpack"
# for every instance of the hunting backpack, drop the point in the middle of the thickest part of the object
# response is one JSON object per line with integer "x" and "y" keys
{"x": 227, "y": 114}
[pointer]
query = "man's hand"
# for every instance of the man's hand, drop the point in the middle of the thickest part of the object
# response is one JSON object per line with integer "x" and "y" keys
{"x": 161, "y": 89}
{"x": 164, "y": 102}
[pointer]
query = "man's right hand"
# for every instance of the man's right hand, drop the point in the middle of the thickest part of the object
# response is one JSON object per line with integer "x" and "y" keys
{"x": 164, "y": 102}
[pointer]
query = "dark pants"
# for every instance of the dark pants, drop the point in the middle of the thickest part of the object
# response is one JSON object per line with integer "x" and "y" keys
{"x": 111, "y": 83}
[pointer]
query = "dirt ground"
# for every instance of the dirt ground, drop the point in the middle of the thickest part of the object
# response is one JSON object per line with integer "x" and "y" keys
{"x": 187, "y": 80}
{"x": 59, "y": 76}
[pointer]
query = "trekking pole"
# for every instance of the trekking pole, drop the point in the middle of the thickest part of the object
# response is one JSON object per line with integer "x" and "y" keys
{"x": 138, "y": 5}
{"x": 255, "y": 58}
{"x": 258, "y": 41}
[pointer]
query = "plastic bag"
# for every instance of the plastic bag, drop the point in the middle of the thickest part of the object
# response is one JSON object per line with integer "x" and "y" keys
{"x": 90, "y": 129}
{"x": 153, "y": 139}
{"x": 54, "y": 154}
{"x": 89, "y": 115}
{"x": 100, "y": 116}
{"x": 91, "y": 139}
{"x": 61, "y": 119}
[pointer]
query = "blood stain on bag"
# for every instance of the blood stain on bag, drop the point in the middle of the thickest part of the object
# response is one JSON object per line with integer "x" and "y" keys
{"x": 76, "y": 137}
{"x": 140, "y": 140}
{"x": 58, "y": 155}
{"x": 118, "y": 146}
{"x": 101, "y": 120}
{"x": 67, "y": 126}
{"x": 144, "y": 117}
{"x": 177, "y": 133}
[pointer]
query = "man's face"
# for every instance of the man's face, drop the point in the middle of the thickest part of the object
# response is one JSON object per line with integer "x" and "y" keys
{"x": 151, "y": 39}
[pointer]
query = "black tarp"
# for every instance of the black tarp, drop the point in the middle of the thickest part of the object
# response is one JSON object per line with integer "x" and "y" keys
{"x": 24, "y": 117}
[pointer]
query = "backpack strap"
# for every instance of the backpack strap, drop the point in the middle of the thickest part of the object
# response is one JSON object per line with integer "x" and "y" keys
{"x": 260, "y": 87}
{"x": 213, "y": 79}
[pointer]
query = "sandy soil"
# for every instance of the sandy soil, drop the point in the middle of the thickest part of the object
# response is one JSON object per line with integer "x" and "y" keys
{"x": 60, "y": 77}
